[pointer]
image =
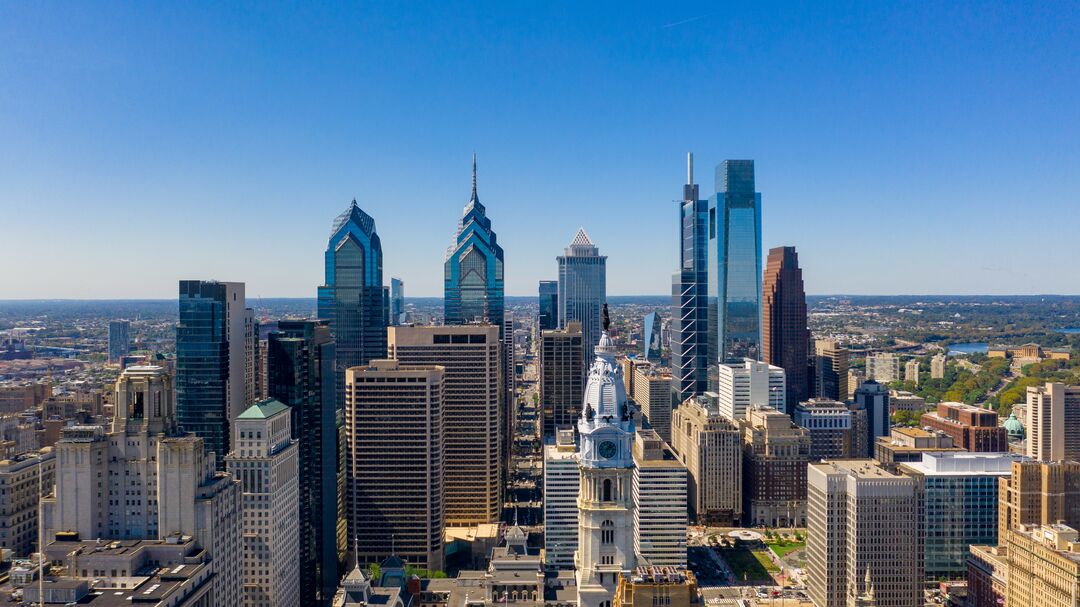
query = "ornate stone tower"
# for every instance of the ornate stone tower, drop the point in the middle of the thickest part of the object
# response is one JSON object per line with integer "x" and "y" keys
{"x": 605, "y": 499}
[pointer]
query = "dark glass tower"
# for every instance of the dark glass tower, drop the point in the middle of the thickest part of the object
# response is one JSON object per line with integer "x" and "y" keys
{"x": 582, "y": 288}
{"x": 689, "y": 295}
{"x": 300, "y": 362}
{"x": 734, "y": 265}
{"x": 784, "y": 336}
{"x": 397, "y": 301}
{"x": 549, "y": 304}
{"x": 651, "y": 337}
{"x": 473, "y": 272}
{"x": 354, "y": 300}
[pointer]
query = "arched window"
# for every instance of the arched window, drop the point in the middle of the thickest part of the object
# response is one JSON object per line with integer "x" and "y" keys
{"x": 607, "y": 489}
{"x": 607, "y": 533}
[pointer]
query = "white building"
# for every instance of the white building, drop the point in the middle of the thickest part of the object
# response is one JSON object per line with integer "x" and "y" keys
{"x": 561, "y": 482}
{"x": 1053, "y": 422}
{"x": 911, "y": 372}
{"x": 883, "y": 368}
{"x": 660, "y": 502}
{"x": 264, "y": 459}
{"x": 749, "y": 383}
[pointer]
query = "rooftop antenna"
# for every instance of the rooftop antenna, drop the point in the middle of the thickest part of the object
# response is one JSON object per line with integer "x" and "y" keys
{"x": 689, "y": 168}
{"x": 474, "y": 173}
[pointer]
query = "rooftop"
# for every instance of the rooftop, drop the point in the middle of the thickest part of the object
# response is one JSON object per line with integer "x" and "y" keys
{"x": 264, "y": 409}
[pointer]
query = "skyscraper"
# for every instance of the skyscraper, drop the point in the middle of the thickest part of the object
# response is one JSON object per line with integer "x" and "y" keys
{"x": 473, "y": 272}
{"x": 300, "y": 373}
{"x": 562, "y": 479}
{"x": 562, "y": 377}
{"x": 710, "y": 446}
{"x": 582, "y": 288}
{"x": 873, "y": 399}
{"x": 119, "y": 339}
{"x": 660, "y": 502}
{"x": 689, "y": 295}
{"x": 830, "y": 370}
{"x": 1053, "y": 422}
{"x": 353, "y": 298}
{"x": 785, "y": 338}
{"x": 397, "y": 301}
{"x": 549, "y": 305}
{"x": 734, "y": 264}
{"x": 211, "y": 366}
{"x": 775, "y": 455}
{"x": 650, "y": 337}
{"x": 748, "y": 384}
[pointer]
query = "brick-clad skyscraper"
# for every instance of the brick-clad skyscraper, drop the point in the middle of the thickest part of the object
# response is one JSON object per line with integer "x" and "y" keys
{"x": 784, "y": 336}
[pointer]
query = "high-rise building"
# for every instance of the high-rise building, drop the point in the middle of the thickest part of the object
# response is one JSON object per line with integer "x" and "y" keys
{"x": 973, "y": 428}
{"x": 747, "y": 384}
{"x": 562, "y": 377}
{"x": 264, "y": 460}
{"x": 353, "y": 298}
{"x": 775, "y": 454}
{"x": 168, "y": 482}
{"x": 605, "y": 502}
{"x": 734, "y": 265}
{"x": 472, "y": 414}
{"x": 394, "y": 418}
{"x": 1039, "y": 493}
{"x": 863, "y": 536}
{"x": 119, "y": 339}
{"x": 397, "y": 301}
{"x": 549, "y": 305}
{"x": 884, "y": 367}
{"x": 211, "y": 361}
{"x": 652, "y": 394}
{"x": 509, "y": 373}
{"x": 1053, "y": 422}
{"x": 872, "y": 399}
{"x": 784, "y": 336}
{"x": 911, "y": 372}
{"x": 26, "y": 478}
{"x": 301, "y": 374}
{"x": 829, "y": 424}
{"x": 252, "y": 386}
{"x": 690, "y": 295}
{"x": 582, "y": 288}
{"x": 1044, "y": 566}
{"x": 561, "y": 486}
{"x": 709, "y": 444}
{"x": 937, "y": 366}
{"x": 650, "y": 337}
{"x": 473, "y": 271}
{"x": 958, "y": 495}
{"x": 830, "y": 370}
{"x": 660, "y": 502}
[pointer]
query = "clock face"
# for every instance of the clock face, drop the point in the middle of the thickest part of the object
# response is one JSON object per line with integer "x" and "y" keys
{"x": 607, "y": 449}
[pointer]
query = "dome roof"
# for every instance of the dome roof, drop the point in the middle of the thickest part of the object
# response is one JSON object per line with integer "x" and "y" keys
{"x": 1013, "y": 427}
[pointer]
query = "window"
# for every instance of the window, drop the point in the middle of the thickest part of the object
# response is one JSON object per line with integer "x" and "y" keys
{"x": 607, "y": 490}
{"x": 607, "y": 533}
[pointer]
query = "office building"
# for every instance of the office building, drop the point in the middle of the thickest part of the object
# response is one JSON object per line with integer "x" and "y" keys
{"x": 907, "y": 445}
{"x": 472, "y": 414}
{"x": 561, "y": 486}
{"x": 987, "y": 576}
{"x": 301, "y": 359}
{"x": 749, "y": 384}
{"x": 650, "y": 338}
{"x": 653, "y": 586}
{"x": 863, "y": 536}
{"x": 872, "y": 399}
{"x": 973, "y": 428}
{"x": 252, "y": 385}
{"x": 784, "y": 336}
{"x": 830, "y": 370}
{"x": 937, "y": 366}
{"x": 473, "y": 271}
{"x": 395, "y": 488}
{"x": 1044, "y": 566}
{"x": 549, "y": 305}
{"x": 775, "y": 454}
{"x": 690, "y": 295}
{"x": 509, "y": 373}
{"x": 911, "y": 372}
{"x": 709, "y": 444}
{"x": 562, "y": 377}
{"x": 169, "y": 483}
{"x": 734, "y": 265}
{"x": 958, "y": 495}
{"x": 660, "y": 502}
{"x": 884, "y": 367}
{"x": 582, "y": 288}
{"x": 397, "y": 301}
{"x": 1039, "y": 493}
{"x": 652, "y": 394}
{"x": 212, "y": 345}
{"x": 353, "y": 298}
{"x": 1053, "y": 422}
{"x": 264, "y": 459}
{"x": 24, "y": 479}
{"x": 828, "y": 422}
{"x": 900, "y": 400}
{"x": 119, "y": 339}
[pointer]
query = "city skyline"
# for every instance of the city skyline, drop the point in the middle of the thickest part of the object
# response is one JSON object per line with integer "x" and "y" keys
{"x": 181, "y": 121}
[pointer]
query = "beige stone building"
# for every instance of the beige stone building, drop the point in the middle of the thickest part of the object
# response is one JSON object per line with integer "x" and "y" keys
{"x": 1053, "y": 422}
{"x": 1039, "y": 493}
{"x": 658, "y": 587}
{"x": 1044, "y": 566}
{"x": 652, "y": 394}
{"x": 905, "y": 445}
{"x": 830, "y": 370}
{"x": 710, "y": 446}
{"x": 24, "y": 479}
{"x": 775, "y": 454}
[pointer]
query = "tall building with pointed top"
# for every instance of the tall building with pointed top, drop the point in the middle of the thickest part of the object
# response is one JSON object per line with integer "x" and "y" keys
{"x": 473, "y": 272}
{"x": 784, "y": 336}
{"x": 353, "y": 298}
{"x": 689, "y": 295}
{"x": 734, "y": 264}
{"x": 582, "y": 288}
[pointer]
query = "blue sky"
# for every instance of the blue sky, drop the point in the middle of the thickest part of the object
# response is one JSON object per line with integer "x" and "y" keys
{"x": 914, "y": 147}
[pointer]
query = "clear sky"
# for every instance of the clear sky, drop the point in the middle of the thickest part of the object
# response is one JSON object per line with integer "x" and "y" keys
{"x": 912, "y": 147}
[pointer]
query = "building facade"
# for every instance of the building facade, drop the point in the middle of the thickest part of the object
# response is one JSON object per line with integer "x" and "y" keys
{"x": 973, "y": 428}
{"x": 748, "y": 384}
{"x": 652, "y": 394}
{"x": 119, "y": 339}
{"x": 709, "y": 444}
{"x": 473, "y": 271}
{"x": 690, "y": 295}
{"x": 562, "y": 377}
{"x": 1044, "y": 566}
{"x": 549, "y": 305}
{"x": 828, "y": 422}
{"x": 582, "y": 288}
{"x": 884, "y": 368}
{"x": 830, "y": 370}
{"x": 24, "y": 479}
{"x": 562, "y": 480}
{"x": 1053, "y": 422}
{"x": 397, "y": 301}
{"x": 872, "y": 400}
{"x": 775, "y": 455}
{"x": 660, "y": 502}
{"x": 784, "y": 336}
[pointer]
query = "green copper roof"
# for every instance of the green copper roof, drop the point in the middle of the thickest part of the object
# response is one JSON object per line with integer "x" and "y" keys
{"x": 264, "y": 409}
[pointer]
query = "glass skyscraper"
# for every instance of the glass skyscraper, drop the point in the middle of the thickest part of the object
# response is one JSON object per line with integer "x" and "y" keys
{"x": 651, "y": 337}
{"x": 549, "y": 304}
{"x": 119, "y": 339}
{"x": 689, "y": 296}
{"x": 583, "y": 288}
{"x": 473, "y": 272}
{"x": 734, "y": 265}
{"x": 354, "y": 300}
{"x": 397, "y": 301}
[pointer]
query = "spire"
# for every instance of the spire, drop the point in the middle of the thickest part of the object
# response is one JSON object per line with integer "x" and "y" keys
{"x": 474, "y": 175}
{"x": 689, "y": 168}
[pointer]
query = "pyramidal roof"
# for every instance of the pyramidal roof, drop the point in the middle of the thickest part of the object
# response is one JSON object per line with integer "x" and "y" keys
{"x": 581, "y": 238}
{"x": 355, "y": 214}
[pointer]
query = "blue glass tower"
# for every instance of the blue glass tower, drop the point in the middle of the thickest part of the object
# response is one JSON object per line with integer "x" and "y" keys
{"x": 689, "y": 295}
{"x": 734, "y": 265}
{"x": 473, "y": 272}
{"x": 354, "y": 300}
{"x": 397, "y": 301}
{"x": 583, "y": 288}
{"x": 651, "y": 337}
{"x": 549, "y": 305}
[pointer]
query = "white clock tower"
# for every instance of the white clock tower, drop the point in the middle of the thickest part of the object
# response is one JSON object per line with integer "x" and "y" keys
{"x": 605, "y": 499}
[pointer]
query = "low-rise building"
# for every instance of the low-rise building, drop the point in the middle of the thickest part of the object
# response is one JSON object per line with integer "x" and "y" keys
{"x": 905, "y": 445}
{"x": 900, "y": 400}
{"x": 657, "y": 587}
